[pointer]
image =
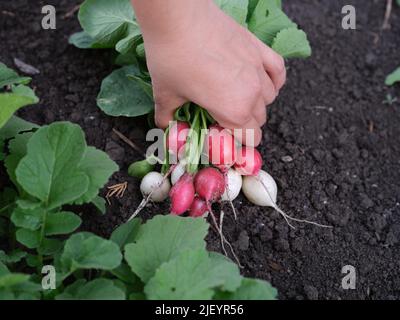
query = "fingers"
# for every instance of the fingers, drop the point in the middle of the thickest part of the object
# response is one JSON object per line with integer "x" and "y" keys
{"x": 164, "y": 110}
{"x": 250, "y": 135}
{"x": 274, "y": 65}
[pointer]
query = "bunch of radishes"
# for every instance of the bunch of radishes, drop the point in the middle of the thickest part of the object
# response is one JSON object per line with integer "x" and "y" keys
{"x": 195, "y": 187}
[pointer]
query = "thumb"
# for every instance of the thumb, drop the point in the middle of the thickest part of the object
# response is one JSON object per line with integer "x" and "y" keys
{"x": 165, "y": 109}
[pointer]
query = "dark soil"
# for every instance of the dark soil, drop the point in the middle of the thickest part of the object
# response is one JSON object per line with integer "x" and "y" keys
{"x": 330, "y": 119}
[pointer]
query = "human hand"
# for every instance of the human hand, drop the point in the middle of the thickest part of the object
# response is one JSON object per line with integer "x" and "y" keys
{"x": 209, "y": 59}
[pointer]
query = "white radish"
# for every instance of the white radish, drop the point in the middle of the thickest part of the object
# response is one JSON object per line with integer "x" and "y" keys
{"x": 178, "y": 171}
{"x": 155, "y": 186}
{"x": 262, "y": 191}
{"x": 233, "y": 185}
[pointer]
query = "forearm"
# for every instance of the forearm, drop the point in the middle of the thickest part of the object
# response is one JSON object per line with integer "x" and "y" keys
{"x": 162, "y": 19}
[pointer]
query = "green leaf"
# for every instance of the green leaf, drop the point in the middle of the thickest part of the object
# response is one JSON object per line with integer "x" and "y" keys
{"x": 237, "y": 9}
{"x": 82, "y": 40}
{"x": 18, "y": 149}
{"x": 129, "y": 44}
{"x": 88, "y": 251}
{"x": 162, "y": 239}
{"x": 123, "y": 96}
{"x": 14, "y": 126}
{"x": 100, "y": 204}
{"x": 394, "y": 77}
{"x": 267, "y": 20}
{"x": 49, "y": 247}
{"x": 250, "y": 289}
{"x": 193, "y": 275}
{"x": 27, "y": 219}
{"x": 9, "y": 77}
{"x": 14, "y": 257}
{"x": 106, "y": 21}
{"x": 253, "y": 4}
{"x": 98, "y": 289}
{"x": 98, "y": 166}
{"x": 10, "y": 102}
{"x": 126, "y": 233}
{"x": 50, "y": 169}
{"x": 12, "y": 279}
{"x": 292, "y": 43}
{"x": 29, "y": 238}
{"x": 61, "y": 223}
{"x": 124, "y": 273}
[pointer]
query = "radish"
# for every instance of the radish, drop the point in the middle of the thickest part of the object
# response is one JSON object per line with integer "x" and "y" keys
{"x": 177, "y": 136}
{"x": 198, "y": 208}
{"x": 233, "y": 185}
{"x": 182, "y": 195}
{"x": 262, "y": 191}
{"x": 155, "y": 186}
{"x": 178, "y": 171}
{"x": 209, "y": 184}
{"x": 220, "y": 147}
{"x": 249, "y": 161}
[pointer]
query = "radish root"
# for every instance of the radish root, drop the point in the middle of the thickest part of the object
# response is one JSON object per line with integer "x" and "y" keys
{"x": 285, "y": 215}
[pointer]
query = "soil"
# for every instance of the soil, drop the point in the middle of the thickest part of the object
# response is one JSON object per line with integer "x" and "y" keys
{"x": 332, "y": 144}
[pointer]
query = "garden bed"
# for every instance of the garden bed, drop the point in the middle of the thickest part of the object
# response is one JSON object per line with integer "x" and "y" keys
{"x": 331, "y": 142}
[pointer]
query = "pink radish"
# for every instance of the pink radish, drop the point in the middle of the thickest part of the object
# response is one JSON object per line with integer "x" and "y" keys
{"x": 182, "y": 195}
{"x": 209, "y": 184}
{"x": 198, "y": 208}
{"x": 249, "y": 161}
{"x": 177, "y": 136}
{"x": 220, "y": 147}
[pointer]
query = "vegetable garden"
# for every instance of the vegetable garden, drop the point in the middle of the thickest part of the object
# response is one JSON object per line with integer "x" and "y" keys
{"x": 77, "y": 193}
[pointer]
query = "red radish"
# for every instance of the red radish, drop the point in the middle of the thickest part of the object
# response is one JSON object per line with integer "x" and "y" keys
{"x": 198, "y": 208}
{"x": 177, "y": 136}
{"x": 249, "y": 161}
{"x": 220, "y": 147}
{"x": 209, "y": 184}
{"x": 182, "y": 195}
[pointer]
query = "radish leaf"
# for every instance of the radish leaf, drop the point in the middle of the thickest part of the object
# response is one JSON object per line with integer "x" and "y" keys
{"x": 267, "y": 20}
{"x": 121, "y": 95}
{"x": 250, "y": 289}
{"x": 193, "y": 275}
{"x": 237, "y": 9}
{"x": 160, "y": 240}
{"x": 292, "y": 43}
{"x": 98, "y": 289}
{"x": 88, "y": 251}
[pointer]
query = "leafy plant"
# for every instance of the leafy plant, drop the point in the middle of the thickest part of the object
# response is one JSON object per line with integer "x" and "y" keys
{"x": 112, "y": 25}
{"x": 165, "y": 258}
{"x": 14, "y": 94}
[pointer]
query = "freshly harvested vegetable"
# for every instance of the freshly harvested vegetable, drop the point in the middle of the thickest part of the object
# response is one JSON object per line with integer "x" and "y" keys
{"x": 261, "y": 189}
{"x": 182, "y": 195}
{"x": 178, "y": 172}
{"x": 139, "y": 169}
{"x": 209, "y": 184}
{"x": 249, "y": 161}
{"x": 221, "y": 148}
{"x": 198, "y": 208}
{"x": 233, "y": 185}
{"x": 177, "y": 136}
{"x": 155, "y": 186}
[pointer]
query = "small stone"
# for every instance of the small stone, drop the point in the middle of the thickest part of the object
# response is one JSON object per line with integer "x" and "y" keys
{"x": 366, "y": 202}
{"x": 243, "y": 240}
{"x": 287, "y": 159}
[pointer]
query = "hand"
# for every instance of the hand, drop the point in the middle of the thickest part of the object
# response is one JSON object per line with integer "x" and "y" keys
{"x": 211, "y": 60}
